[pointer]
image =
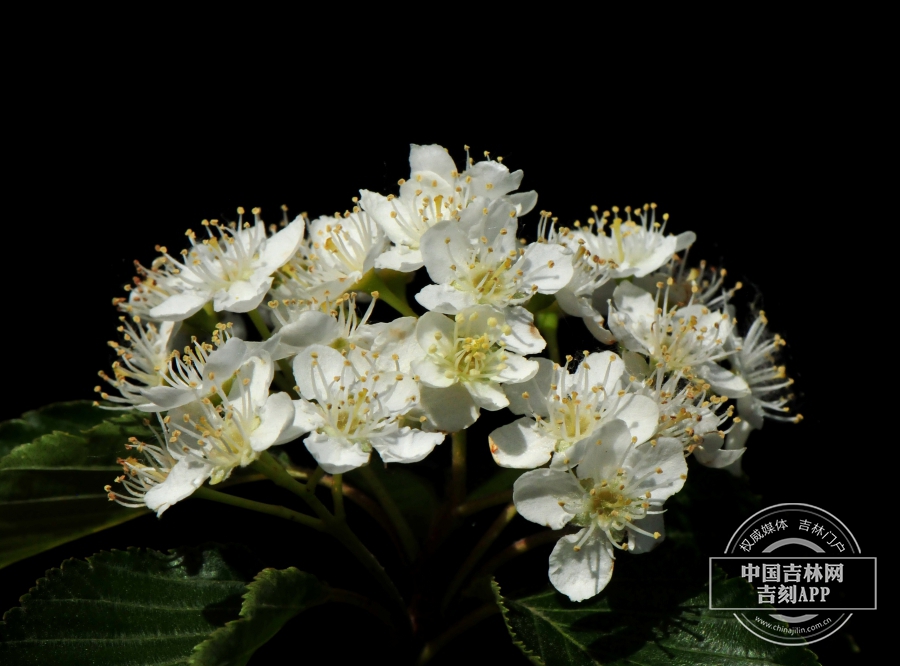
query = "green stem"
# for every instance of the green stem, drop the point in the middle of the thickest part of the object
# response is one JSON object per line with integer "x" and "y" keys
{"x": 494, "y": 499}
{"x": 260, "y": 507}
{"x": 257, "y": 320}
{"x": 267, "y": 465}
{"x": 337, "y": 496}
{"x": 458, "y": 469}
{"x": 336, "y": 528}
{"x": 508, "y": 513}
{"x": 372, "y": 283}
{"x": 463, "y": 625}
{"x": 314, "y": 478}
{"x": 404, "y": 532}
{"x": 547, "y": 321}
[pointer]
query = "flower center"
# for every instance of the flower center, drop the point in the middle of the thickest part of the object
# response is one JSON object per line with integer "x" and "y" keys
{"x": 610, "y": 506}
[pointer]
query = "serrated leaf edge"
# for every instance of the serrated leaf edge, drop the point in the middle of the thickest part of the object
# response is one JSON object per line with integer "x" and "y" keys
{"x": 498, "y": 597}
{"x": 245, "y": 614}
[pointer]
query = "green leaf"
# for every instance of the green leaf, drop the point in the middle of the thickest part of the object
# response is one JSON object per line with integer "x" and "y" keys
{"x": 63, "y": 416}
{"x": 127, "y": 607}
{"x": 649, "y": 614}
{"x": 273, "y": 598}
{"x": 412, "y": 494}
{"x": 51, "y": 488}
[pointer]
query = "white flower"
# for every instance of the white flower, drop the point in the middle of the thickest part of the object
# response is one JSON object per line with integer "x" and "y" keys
{"x": 699, "y": 285}
{"x": 300, "y": 327}
{"x": 478, "y": 260}
{"x": 615, "y": 495}
{"x": 338, "y": 252}
{"x": 436, "y": 191}
{"x": 584, "y": 295}
{"x": 632, "y": 249}
{"x": 565, "y": 408}
{"x": 349, "y": 407}
{"x": 207, "y": 440}
{"x": 688, "y": 338}
{"x": 198, "y": 373}
{"x": 233, "y": 268}
{"x": 688, "y": 413}
{"x": 151, "y": 287}
{"x": 756, "y": 361}
{"x": 142, "y": 363}
{"x": 467, "y": 358}
{"x": 394, "y": 342}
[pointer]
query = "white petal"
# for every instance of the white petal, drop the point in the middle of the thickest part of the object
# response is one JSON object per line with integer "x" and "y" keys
{"x": 396, "y": 337}
{"x": 162, "y": 398}
{"x": 336, "y": 456}
{"x": 307, "y": 417}
{"x": 448, "y": 409}
{"x": 723, "y": 382}
{"x": 571, "y": 304}
{"x": 684, "y": 240}
{"x": 242, "y": 295}
{"x": 520, "y": 445}
{"x": 537, "y": 495}
{"x": 380, "y": 208}
{"x": 282, "y": 246}
{"x": 258, "y": 372}
{"x": 595, "y": 326}
{"x": 402, "y": 260}
{"x": 537, "y": 389}
{"x": 225, "y": 361}
{"x": 644, "y": 264}
{"x": 524, "y": 338}
{"x": 180, "y": 306}
{"x": 634, "y": 301}
{"x": 310, "y": 328}
{"x": 397, "y": 395}
{"x": 600, "y": 460}
{"x": 445, "y": 299}
{"x": 487, "y": 395}
{"x": 406, "y": 445}
{"x": 751, "y": 413}
{"x": 523, "y": 201}
{"x": 664, "y": 465}
{"x": 581, "y": 574}
{"x": 184, "y": 478}
{"x": 492, "y": 179}
{"x": 640, "y": 414}
{"x": 432, "y": 158}
{"x": 436, "y": 329}
{"x": 600, "y": 369}
{"x": 518, "y": 369}
{"x": 431, "y": 374}
{"x": 443, "y": 246}
{"x": 711, "y": 454}
{"x": 275, "y": 417}
{"x": 547, "y": 266}
{"x": 315, "y": 369}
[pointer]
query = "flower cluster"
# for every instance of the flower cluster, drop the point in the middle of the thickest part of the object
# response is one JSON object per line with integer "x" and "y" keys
{"x": 605, "y": 436}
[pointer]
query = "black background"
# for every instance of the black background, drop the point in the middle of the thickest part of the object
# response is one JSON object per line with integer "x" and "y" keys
{"x": 777, "y": 180}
